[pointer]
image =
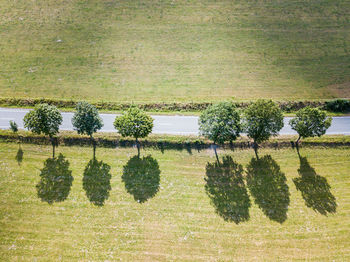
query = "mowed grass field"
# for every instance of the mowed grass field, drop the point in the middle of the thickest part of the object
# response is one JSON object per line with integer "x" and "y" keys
{"x": 175, "y": 50}
{"x": 179, "y": 211}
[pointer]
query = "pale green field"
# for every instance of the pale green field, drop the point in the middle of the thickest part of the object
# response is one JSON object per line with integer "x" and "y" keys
{"x": 174, "y": 50}
{"x": 175, "y": 218}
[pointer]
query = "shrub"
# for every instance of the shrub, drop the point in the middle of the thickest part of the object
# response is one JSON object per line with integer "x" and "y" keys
{"x": 13, "y": 126}
{"x": 338, "y": 105}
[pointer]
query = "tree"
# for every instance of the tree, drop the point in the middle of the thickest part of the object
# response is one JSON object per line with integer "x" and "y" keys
{"x": 13, "y": 126}
{"x": 86, "y": 120}
{"x": 19, "y": 155}
{"x": 262, "y": 120}
{"x": 135, "y": 123}
{"x": 44, "y": 119}
{"x": 310, "y": 122}
{"x": 220, "y": 123}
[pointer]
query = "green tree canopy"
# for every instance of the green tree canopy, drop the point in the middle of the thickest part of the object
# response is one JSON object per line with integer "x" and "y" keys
{"x": 262, "y": 120}
{"x": 135, "y": 123}
{"x": 220, "y": 123}
{"x": 44, "y": 119}
{"x": 86, "y": 119}
{"x": 310, "y": 122}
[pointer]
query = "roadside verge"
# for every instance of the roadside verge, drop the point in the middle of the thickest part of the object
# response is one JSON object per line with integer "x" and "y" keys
{"x": 167, "y": 142}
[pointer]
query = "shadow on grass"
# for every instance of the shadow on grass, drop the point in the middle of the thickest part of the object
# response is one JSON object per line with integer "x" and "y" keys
{"x": 226, "y": 189}
{"x": 314, "y": 50}
{"x": 56, "y": 180}
{"x": 141, "y": 177}
{"x": 267, "y": 184}
{"x": 97, "y": 181}
{"x": 19, "y": 156}
{"x": 314, "y": 189}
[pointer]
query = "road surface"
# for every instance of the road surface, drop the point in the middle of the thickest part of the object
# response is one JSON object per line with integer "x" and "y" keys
{"x": 172, "y": 125}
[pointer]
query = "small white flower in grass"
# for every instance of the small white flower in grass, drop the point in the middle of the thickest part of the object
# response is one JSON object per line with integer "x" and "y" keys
{"x": 13, "y": 247}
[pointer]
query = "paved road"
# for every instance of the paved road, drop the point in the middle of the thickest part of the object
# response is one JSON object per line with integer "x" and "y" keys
{"x": 174, "y": 125}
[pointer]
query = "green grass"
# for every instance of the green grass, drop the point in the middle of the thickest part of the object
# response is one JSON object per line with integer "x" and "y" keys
{"x": 165, "y": 51}
{"x": 166, "y": 142}
{"x": 178, "y": 222}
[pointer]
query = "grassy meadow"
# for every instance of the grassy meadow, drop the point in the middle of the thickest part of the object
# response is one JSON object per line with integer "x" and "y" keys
{"x": 174, "y": 50}
{"x": 188, "y": 208}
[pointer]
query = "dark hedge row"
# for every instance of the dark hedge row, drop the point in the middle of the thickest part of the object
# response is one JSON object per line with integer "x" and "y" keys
{"x": 339, "y": 105}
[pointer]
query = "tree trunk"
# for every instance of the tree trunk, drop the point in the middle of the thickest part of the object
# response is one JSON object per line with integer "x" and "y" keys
{"x": 53, "y": 146}
{"x": 138, "y": 147}
{"x": 298, "y": 151}
{"x": 297, "y": 142}
{"x": 93, "y": 147}
{"x": 19, "y": 141}
{"x": 216, "y": 154}
{"x": 255, "y": 146}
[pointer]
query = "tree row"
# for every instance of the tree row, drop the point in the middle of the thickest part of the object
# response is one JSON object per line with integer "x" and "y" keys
{"x": 221, "y": 122}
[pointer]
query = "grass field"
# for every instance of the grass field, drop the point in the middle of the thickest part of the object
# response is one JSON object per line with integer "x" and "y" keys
{"x": 175, "y": 50}
{"x": 184, "y": 210}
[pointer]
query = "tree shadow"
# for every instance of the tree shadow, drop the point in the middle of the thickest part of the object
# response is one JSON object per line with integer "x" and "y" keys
{"x": 19, "y": 155}
{"x": 56, "y": 180}
{"x": 314, "y": 189}
{"x": 267, "y": 184}
{"x": 226, "y": 189}
{"x": 141, "y": 177}
{"x": 97, "y": 181}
